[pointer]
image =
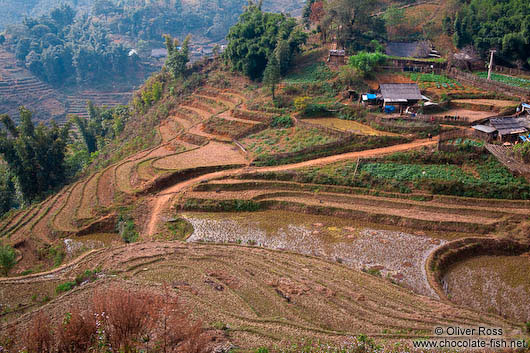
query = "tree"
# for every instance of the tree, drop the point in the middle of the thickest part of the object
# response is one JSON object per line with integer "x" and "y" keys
{"x": 352, "y": 22}
{"x": 63, "y": 15}
{"x": 252, "y": 41}
{"x": 34, "y": 155}
{"x": 272, "y": 76}
{"x": 317, "y": 12}
{"x": 177, "y": 56}
{"x": 365, "y": 63}
{"x": 7, "y": 258}
{"x": 394, "y": 19}
{"x": 282, "y": 54}
{"x": 489, "y": 24}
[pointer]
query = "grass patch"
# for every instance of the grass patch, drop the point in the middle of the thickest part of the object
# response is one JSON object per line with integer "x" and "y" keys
{"x": 282, "y": 140}
{"x": 460, "y": 173}
{"x": 313, "y": 73}
{"x": 179, "y": 229}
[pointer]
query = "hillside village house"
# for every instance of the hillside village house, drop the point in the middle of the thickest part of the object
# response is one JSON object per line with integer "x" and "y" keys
{"x": 419, "y": 50}
{"x": 337, "y": 57}
{"x": 399, "y": 96}
{"x": 503, "y": 129}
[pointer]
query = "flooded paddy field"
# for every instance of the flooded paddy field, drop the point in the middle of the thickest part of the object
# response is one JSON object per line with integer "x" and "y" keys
{"x": 77, "y": 245}
{"x": 495, "y": 284}
{"x": 384, "y": 252}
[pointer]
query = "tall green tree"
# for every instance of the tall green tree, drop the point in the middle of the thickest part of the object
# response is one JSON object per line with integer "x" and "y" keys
{"x": 177, "y": 56}
{"x": 34, "y": 154}
{"x": 352, "y": 23}
{"x": 271, "y": 76}
{"x": 252, "y": 41}
{"x": 491, "y": 24}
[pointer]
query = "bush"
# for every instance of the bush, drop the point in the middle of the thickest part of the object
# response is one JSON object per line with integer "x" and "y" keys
{"x": 522, "y": 150}
{"x": 282, "y": 122}
{"x": 64, "y": 287}
{"x": 7, "y": 258}
{"x": 127, "y": 229}
{"x": 118, "y": 320}
{"x": 39, "y": 337}
{"x": 365, "y": 63}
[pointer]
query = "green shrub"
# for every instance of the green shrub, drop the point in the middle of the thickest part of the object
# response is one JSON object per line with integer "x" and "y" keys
{"x": 284, "y": 121}
{"x": 7, "y": 258}
{"x": 522, "y": 150}
{"x": 64, "y": 287}
{"x": 365, "y": 63}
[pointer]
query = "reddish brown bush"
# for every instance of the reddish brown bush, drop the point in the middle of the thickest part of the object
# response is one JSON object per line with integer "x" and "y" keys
{"x": 39, "y": 337}
{"x": 176, "y": 332}
{"x": 124, "y": 321}
{"x": 126, "y": 317}
{"x": 77, "y": 333}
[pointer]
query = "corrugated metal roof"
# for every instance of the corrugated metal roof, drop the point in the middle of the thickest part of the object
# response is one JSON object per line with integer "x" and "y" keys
{"x": 420, "y": 49}
{"x": 399, "y": 91}
{"x": 508, "y": 126}
{"x": 484, "y": 128}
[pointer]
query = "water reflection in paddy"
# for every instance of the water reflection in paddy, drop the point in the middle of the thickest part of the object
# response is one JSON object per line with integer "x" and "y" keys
{"x": 394, "y": 254}
{"x": 496, "y": 284}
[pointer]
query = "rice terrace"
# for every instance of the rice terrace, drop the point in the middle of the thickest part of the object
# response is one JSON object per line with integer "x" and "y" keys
{"x": 346, "y": 179}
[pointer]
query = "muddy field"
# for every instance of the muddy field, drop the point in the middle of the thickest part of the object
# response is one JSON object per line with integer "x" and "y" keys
{"x": 397, "y": 256}
{"x": 494, "y": 284}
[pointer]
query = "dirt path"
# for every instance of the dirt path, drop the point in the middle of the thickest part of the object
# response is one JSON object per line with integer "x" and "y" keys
{"x": 161, "y": 200}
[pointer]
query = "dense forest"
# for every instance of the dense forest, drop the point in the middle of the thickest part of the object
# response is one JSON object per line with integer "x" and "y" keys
{"x": 63, "y": 47}
{"x": 491, "y": 24}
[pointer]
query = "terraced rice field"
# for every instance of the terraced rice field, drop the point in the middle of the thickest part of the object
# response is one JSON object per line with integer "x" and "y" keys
{"x": 496, "y": 284}
{"x": 332, "y": 238}
{"x": 213, "y": 154}
{"x": 89, "y": 198}
{"x": 285, "y": 140}
{"x": 265, "y": 297}
{"x": 349, "y": 126}
{"x": 393, "y": 208}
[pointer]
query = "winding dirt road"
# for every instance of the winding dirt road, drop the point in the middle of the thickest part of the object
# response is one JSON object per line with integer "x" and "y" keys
{"x": 162, "y": 200}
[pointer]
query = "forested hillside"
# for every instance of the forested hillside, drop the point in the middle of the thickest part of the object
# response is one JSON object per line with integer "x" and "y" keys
{"x": 500, "y": 25}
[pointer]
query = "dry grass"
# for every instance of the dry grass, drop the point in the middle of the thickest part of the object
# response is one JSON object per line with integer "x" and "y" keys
{"x": 89, "y": 198}
{"x": 214, "y": 153}
{"x": 348, "y": 125}
{"x": 65, "y": 219}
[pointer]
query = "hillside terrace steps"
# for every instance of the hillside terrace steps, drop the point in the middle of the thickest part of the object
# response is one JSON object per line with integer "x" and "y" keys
{"x": 486, "y": 205}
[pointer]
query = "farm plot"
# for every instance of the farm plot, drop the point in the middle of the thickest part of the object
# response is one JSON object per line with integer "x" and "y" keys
{"x": 479, "y": 177}
{"x": 495, "y": 284}
{"x": 65, "y": 219}
{"x": 89, "y": 198}
{"x": 509, "y": 80}
{"x": 106, "y": 187}
{"x": 328, "y": 237}
{"x": 484, "y": 104}
{"x": 227, "y": 126}
{"x": 349, "y": 126}
{"x": 123, "y": 176}
{"x": 294, "y": 139}
{"x": 213, "y": 154}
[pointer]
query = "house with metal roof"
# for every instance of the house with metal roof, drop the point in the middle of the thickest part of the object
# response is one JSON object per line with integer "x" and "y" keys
{"x": 420, "y": 49}
{"x": 504, "y": 129}
{"x": 400, "y": 95}
{"x": 337, "y": 57}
